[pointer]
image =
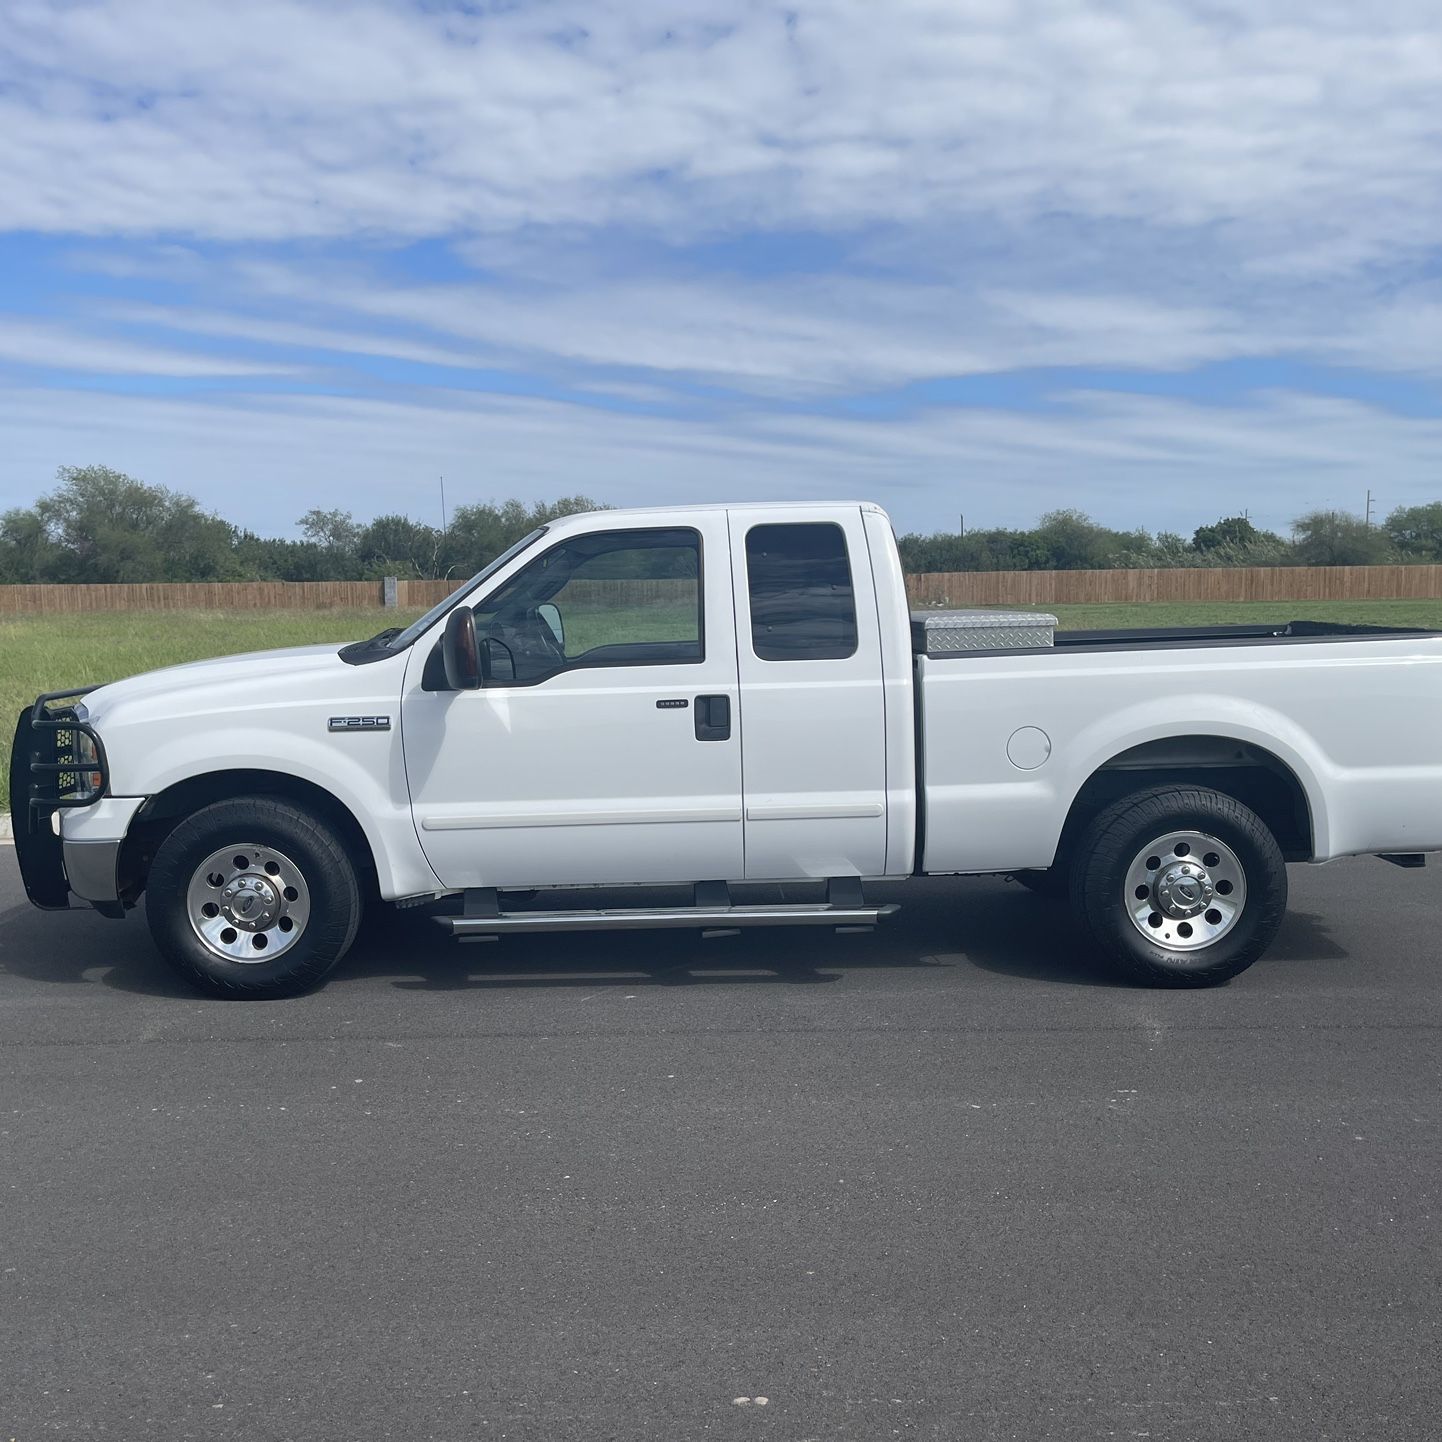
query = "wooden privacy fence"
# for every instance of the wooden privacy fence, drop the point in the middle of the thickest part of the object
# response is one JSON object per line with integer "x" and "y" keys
{"x": 952, "y": 588}
{"x": 1249, "y": 583}
{"x": 189, "y": 596}
{"x": 293, "y": 595}
{"x": 666, "y": 590}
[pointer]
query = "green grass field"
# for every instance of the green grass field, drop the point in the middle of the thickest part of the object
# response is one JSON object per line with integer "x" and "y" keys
{"x": 43, "y": 653}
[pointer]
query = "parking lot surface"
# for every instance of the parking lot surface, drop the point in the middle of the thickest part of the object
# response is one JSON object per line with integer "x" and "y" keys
{"x": 946, "y": 1180}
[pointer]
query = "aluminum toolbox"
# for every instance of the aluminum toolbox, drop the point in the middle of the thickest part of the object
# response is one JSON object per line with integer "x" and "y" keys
{"x": 941, "y": 632}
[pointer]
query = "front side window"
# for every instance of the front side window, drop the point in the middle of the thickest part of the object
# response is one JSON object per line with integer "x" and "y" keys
{"x": 802, "y": 604}
{"x": 609, "y": 598}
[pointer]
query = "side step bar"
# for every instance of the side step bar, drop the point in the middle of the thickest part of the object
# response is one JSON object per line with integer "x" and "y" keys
{"x": 725, "y": 918}
{"x": 483, "y": 919}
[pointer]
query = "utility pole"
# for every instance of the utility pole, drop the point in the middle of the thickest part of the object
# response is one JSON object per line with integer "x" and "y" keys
{"x": 961, "y": 531}
{"x": 1369, "y": 508}
{"x": 443, "y": 505}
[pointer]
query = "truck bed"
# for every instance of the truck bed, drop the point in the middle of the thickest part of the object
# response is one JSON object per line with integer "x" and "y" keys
{"x": 1347, "y": 713}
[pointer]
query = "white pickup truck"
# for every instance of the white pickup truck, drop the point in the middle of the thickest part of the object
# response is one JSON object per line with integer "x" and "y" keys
{"x": 720, "y": 696}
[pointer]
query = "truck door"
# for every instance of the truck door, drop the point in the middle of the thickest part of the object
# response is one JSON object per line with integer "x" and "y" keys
{"x": 809, "y": 656}
{"x": 606, "y": 747}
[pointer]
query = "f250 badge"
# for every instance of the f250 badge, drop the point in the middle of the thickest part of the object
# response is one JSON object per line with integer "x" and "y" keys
{"x": 359, "y": 723}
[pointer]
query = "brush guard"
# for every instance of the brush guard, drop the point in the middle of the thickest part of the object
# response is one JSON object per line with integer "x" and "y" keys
{"x": 48, "y": 774}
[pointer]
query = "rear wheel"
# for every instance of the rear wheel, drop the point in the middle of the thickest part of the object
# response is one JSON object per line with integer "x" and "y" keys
{"x": 1180, "y": 886}
{"x": 252, "y": 897}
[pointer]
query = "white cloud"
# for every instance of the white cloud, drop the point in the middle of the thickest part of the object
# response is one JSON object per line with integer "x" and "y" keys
{"x": 1298, "y": 128}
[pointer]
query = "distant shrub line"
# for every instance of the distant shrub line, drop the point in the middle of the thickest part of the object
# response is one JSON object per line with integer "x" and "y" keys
{"x": 101, "y": 526}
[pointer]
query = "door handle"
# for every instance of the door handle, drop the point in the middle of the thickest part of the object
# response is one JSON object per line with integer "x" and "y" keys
{"x": 713, "y": 718}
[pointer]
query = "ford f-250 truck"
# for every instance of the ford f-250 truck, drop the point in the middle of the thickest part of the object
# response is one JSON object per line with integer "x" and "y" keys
{"x": 718, "y": 696}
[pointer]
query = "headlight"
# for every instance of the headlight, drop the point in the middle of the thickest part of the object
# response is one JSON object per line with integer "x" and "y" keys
{"x": 87, "y": 781}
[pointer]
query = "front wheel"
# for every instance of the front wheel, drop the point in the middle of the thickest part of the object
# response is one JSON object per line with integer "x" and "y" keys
{"x": 252, "y": 897}
{"x": 1180, "y": 886}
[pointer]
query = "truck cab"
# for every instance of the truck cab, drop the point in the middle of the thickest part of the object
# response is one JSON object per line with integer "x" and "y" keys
{"x": 670, "y": 697}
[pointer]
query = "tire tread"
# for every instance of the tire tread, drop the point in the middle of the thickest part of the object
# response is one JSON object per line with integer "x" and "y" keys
{"x": 1107, "y": 849}
{"x": 328, "y": 936}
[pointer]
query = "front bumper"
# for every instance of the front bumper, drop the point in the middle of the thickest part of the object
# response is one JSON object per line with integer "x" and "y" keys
{"x": 92, "y": 872}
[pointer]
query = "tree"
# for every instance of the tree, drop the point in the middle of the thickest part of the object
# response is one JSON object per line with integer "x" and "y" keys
{"x": 479, "y": 533}
{"x": 398, "y": 546}
{"x": 1170, "y": 549}
{"x": 271, "y": 558}
{"x": 1230, "y": 531}
{"x": 1071, "y": 541}
{"x": 27, "y": 552}
{"x": 1416, "y": 532}
{"x": 1335, "y": 538}
{"x": 332, "y": 530}
{"x": 103, "y": 525}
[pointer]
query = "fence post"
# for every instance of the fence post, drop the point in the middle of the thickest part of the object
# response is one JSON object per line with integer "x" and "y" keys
{"x": 390, "y": 593}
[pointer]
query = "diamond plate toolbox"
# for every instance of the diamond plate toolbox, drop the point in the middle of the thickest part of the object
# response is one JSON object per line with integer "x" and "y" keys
{"x": 942, "y": 631}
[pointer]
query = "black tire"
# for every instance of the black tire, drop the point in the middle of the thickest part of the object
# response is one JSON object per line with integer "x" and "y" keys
{"x": 1054, "y": 884}
{"x": 314, "y": 857}
{"x": 1110, "y": 857}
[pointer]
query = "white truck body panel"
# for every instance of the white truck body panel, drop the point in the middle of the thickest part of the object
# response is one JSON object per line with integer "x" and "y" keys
{"x": 1341, "y": 715}
{"x": 584, "y": 778}
{"x": 813, "y": 733}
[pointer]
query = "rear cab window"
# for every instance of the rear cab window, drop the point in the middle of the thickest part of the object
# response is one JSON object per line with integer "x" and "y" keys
{"x": 803, "y": 605}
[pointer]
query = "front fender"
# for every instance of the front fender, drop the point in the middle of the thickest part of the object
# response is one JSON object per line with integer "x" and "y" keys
{"x": 364, "y": 771}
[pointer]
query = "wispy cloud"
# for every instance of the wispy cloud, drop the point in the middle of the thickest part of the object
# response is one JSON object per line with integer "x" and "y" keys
{"x": 287, "y": 335}
{"x": 1141, "y": 460}
{"x": 810, "y": 335}
{"x": 36, "y": 345}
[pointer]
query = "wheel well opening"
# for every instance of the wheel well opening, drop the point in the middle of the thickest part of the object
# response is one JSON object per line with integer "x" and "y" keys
{"x": 163, "y": 812}
{"x": 1246, "y": 773}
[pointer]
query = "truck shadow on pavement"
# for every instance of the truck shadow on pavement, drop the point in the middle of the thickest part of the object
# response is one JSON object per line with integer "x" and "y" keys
{"x": 982, "y": 923}
{"x": 1008, "y": 931}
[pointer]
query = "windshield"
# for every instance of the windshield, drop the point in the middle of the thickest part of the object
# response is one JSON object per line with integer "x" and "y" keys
{"x": 417, "y": 628}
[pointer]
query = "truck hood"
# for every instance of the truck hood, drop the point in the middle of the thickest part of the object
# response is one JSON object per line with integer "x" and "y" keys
{"x": 179, "y": 687}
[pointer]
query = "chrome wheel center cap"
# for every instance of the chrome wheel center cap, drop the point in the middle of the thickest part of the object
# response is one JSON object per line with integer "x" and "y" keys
{"x": 1183, "y": 889}
{"x": 250, "y": 903}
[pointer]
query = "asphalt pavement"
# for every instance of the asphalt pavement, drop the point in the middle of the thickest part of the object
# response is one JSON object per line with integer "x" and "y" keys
{"x": 947, "y": 1180}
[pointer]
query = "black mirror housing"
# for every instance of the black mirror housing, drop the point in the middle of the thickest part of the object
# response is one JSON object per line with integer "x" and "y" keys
{"x": 460, "y": 651}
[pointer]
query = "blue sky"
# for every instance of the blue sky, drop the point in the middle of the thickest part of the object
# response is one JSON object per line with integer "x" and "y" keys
{"x": 1162, "y": 261}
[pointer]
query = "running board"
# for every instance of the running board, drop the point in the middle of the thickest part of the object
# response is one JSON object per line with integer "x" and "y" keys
{"x": 726, "y": 917}
{"x": 483, "y": 919}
